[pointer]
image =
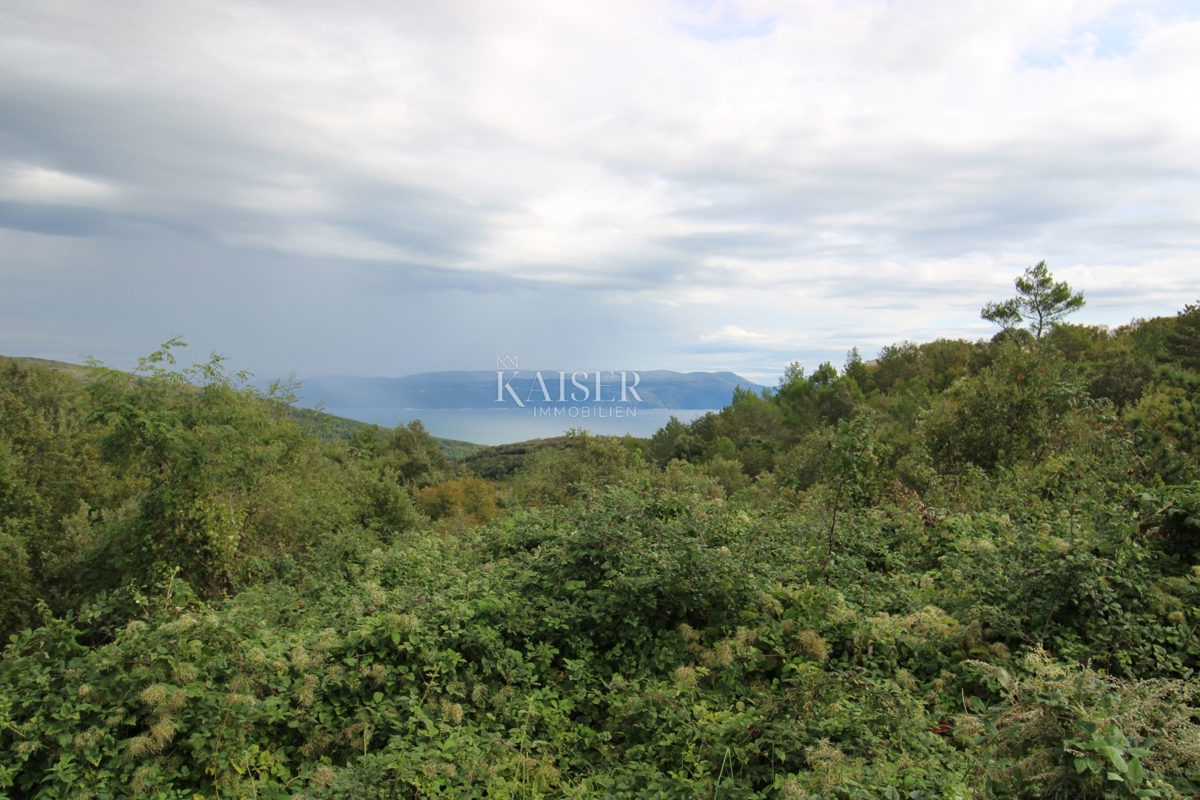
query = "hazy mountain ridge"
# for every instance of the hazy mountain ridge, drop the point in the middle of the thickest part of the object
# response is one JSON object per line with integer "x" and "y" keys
{"x": 465, "y": 389}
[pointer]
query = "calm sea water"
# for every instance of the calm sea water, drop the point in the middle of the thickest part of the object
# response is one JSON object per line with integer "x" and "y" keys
{"x": 504, "y": 425}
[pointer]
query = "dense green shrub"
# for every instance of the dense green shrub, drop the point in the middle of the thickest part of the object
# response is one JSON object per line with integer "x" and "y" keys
{"x": 959, "y": 570}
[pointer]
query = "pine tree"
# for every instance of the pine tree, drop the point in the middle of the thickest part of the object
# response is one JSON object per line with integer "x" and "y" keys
{"x": 1040, "y": 301}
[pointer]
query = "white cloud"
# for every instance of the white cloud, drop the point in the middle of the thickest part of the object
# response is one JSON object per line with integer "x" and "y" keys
{"x": 845, "y": 170}
{"x": 732, "y": 333}
{"x": 30, "y": 184}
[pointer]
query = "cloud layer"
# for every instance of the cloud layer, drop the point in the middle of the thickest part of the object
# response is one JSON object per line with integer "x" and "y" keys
{"x": 385, "y": 187}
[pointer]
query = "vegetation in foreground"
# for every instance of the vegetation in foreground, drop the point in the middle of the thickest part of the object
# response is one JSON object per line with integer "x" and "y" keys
{"x": 964, "y": 569}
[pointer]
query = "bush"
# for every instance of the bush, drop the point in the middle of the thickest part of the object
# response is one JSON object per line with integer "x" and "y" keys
{"x": 471, "y": 498}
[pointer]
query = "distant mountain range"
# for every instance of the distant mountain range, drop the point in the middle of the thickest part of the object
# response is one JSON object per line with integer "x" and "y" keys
{"x": 480, "y": 389}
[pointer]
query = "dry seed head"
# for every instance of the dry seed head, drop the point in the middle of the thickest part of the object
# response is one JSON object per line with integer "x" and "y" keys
{"x": 154, "y": 695}
{"x": 308, "y": 690}
{"x": 315, "y": 745}
{"x": 186, "y": 673}
{"x": 999, "y": 651}
{"x": 140, "y": 746}
{"x": 181, "y": 623}
{"x": 300, "y": 658}
{"x": 966, "y": 728}
{"x": 689, "y": 633}
{"x": 85, "y": 740}
{"x": 723, "y": 655}
{"x": 685, "y": 676}
{"x": 83, "y": 691}
{"x": 824, "y": 755}
{"x": 28, "y": 747}
{"x": 1177, "y": 617}
{"x": 139, "y": 779}
{"x": 771, "y": 604}
{"x": 793, "y": 789}
{"x": 116, "y": 718}
{"x": 810, "y": 644}
{"x": 163, "y": 731}
{"x": 1042, "y": 665}
{"x": 323, "y": 777}
{"x": 905, "y": 680}
{"x": 326, "y": 640}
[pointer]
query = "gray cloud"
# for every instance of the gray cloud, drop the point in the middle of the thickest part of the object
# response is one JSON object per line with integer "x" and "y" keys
{"x": 384, "y": 188}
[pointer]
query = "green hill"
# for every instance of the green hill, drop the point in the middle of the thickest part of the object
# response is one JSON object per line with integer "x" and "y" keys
{"x": 329, "y": 426}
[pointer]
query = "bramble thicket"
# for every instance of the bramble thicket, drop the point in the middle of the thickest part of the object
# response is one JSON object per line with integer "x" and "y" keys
{"x": 961, "y": 569}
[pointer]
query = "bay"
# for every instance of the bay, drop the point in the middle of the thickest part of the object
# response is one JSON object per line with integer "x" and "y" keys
{"x": 492, "y": 426}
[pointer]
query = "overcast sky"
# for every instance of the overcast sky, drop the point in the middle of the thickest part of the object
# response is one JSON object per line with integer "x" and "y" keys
{"x": 381, "y": 188}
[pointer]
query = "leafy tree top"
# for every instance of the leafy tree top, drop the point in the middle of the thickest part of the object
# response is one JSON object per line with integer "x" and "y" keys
{"x": 1183, "y": 341}
{"x": 1041, "y": 302}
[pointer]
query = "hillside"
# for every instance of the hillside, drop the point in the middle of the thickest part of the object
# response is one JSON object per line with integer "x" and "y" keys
{"x": 960, "y": 570}
{"x": 328, "y": 426}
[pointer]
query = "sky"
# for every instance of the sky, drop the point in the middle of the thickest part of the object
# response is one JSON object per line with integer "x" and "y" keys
{"x": 384, "y": 188}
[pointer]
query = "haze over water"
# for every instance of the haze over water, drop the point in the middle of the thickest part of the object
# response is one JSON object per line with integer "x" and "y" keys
{"x": 504, "y": 425}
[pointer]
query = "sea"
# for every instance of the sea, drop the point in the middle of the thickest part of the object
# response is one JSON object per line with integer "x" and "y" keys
{"x": 493, "y": 426}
